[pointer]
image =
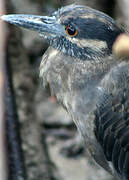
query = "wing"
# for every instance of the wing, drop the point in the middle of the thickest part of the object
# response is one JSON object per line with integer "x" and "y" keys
{"x": 112, "y": 119}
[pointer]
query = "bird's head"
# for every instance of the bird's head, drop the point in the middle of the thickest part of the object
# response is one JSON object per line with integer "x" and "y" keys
{"x": 76, "y": 30}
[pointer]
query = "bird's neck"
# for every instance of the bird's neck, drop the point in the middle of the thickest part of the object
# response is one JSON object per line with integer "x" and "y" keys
{"x": 74, "y": 84}
{"x": 66, "y": 74}
{"x": 70, "y": 78}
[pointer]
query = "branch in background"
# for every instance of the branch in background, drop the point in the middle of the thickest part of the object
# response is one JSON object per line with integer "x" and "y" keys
{"x": 11, "y": 157}
{"x": 15, "y": 155}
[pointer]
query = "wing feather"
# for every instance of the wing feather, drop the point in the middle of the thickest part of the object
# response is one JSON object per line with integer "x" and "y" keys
{"x": 112, "y": 122}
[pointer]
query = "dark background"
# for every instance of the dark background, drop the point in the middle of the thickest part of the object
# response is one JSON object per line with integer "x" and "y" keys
{"x": 50, "y": 142}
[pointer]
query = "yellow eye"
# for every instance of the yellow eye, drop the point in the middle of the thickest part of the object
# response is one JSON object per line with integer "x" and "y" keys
{"x": 71, "y": 31}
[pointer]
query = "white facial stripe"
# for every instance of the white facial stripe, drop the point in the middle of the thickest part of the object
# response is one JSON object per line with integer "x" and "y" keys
{"x": 83, "y": 43}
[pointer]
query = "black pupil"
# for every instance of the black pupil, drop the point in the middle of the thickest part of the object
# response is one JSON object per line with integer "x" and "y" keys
{"x": 71, "y": 30}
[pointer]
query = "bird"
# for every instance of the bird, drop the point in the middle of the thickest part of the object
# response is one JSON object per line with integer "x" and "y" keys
{"x": 87, "y": 79}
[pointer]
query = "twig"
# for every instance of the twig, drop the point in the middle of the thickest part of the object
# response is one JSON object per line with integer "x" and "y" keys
{"x": 15, "y": 154}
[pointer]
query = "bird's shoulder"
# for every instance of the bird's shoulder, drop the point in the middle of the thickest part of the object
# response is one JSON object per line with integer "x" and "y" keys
{"x": 116, "y": 78}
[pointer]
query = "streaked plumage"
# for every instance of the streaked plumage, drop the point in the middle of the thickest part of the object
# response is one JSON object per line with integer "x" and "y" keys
{"x": 87, "y": 79}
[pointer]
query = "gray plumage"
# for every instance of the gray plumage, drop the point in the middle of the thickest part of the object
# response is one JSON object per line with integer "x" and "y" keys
{"x": 87, "y": 79}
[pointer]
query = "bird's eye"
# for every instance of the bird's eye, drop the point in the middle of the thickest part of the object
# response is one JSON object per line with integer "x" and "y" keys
{"x": 71, "y": 31}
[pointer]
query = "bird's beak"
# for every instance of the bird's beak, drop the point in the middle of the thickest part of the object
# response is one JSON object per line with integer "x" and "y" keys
{"x": 43, "y": 24}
